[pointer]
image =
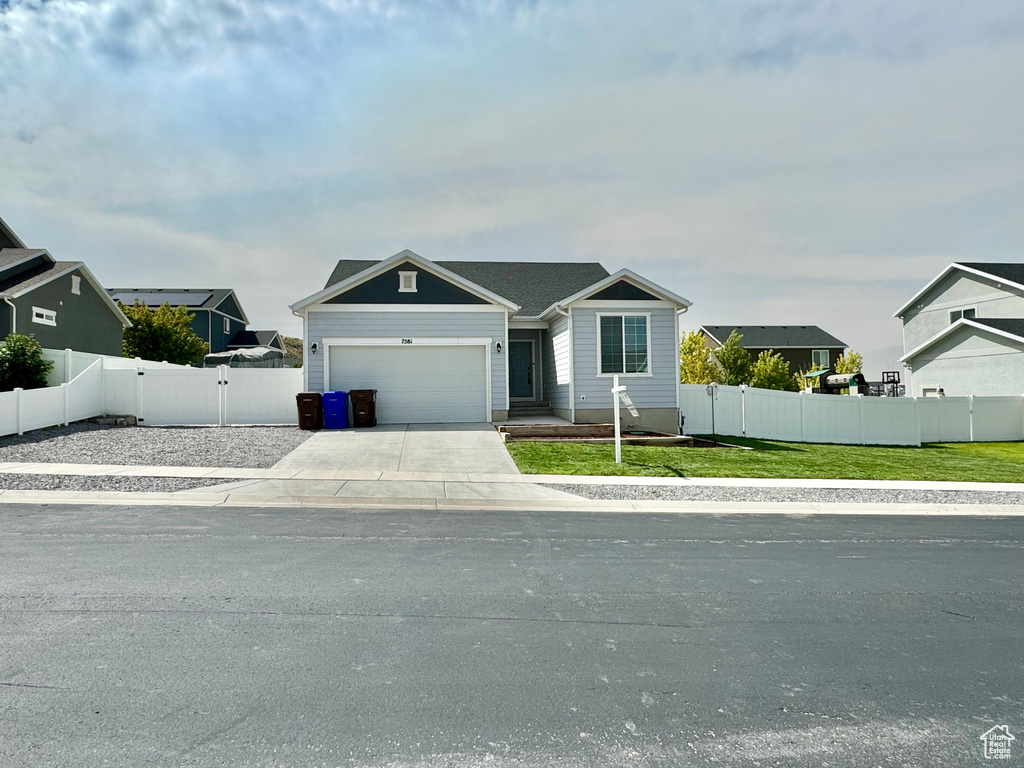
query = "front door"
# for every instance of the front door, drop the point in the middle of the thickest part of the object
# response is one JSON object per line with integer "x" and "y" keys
{"x": 520, "y": 369}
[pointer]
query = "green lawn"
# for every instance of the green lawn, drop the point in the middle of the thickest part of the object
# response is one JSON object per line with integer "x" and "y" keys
{"x": 982, "y": 462}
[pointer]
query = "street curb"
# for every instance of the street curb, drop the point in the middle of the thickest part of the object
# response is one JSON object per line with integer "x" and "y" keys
{"x": 194, "y": 499}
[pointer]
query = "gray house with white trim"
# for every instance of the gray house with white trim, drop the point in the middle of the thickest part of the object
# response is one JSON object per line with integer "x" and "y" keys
{"x": 963, "y": 332}
{"x": 453, "y": 341}
{"x": 61, "y": 303}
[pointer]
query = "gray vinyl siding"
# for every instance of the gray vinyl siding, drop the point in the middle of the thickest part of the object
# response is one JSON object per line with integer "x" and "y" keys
{"x": 356, "y": 325}
{"x": 971, "y": 362}
{"x": 958, "y": 290}
{"x": 657, "y": 391}
{"x": 555, "y": 345}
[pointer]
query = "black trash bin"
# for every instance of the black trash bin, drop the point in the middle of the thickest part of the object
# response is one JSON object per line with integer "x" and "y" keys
{"x": 364, "y": 407}
{"x": 311, "y": 412}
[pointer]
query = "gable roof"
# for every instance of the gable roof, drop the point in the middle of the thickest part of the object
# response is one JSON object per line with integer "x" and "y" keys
{"x": 12, "y": 256}
{"x": 24, "y": 282}
{"x": 775, "y": 336}
{"x": 375, "y": 268}
{"x": 629, "y": 276}
{"x": 249, "y": 338}
{"x": 1010, "y": 328}
{"x": 1006, "y": 272}
{"x": 533, "y": 285}
{"x": 7, "y": 236}
{"x": 193, "y": 298}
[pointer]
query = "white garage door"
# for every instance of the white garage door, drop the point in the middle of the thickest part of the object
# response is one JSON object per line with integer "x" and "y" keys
{"x": 416, "y": 384}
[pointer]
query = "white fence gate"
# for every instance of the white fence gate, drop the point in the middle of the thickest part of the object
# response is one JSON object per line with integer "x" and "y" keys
{"x": 159, "y": 394}
{"x": 858, "y": 420}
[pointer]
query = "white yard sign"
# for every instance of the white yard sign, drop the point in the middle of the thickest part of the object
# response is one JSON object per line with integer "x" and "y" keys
{"x": 619, "y": 394}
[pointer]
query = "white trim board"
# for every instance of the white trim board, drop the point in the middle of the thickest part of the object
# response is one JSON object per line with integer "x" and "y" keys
{"x": 945, "y": 273}
{"x": 383, "y": 266}
{"x": 950, "y": 329}
{"x": 449, "y": 308}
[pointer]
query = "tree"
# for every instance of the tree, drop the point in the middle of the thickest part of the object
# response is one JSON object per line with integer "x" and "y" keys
{"x": 734, "y": 361}
{"x": 22, "y": 363}
{"x": 771, "y": 371}
{"x": 851, "y": 362}
{"x": 164, "y": 334}
{"x": 696, "y": 366}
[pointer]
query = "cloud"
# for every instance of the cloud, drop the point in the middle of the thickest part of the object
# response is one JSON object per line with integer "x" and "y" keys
{"x": 774, "y": 163}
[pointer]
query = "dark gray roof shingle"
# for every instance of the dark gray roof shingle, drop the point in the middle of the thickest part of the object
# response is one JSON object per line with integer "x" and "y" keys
{"x": 248, "y": 338}
{"x": 533, "y": 285}
{"x": 25, "y": 280}
{"x": 1008, "y": 324}
{"x": 10, "y": 256}
{"x": 1007, "y": 271}
{"x": 776, "y": 336}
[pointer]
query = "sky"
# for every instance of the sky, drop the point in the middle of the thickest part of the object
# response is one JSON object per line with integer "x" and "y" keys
{"x": 778, "y": 162}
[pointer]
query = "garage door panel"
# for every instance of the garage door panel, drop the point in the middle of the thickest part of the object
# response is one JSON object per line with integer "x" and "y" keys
{"x": 416, "y": 384}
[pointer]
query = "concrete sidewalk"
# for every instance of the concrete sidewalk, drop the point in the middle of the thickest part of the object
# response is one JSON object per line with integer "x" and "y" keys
{"x": 286, "y": 473}
{"x": 572, "y": 504}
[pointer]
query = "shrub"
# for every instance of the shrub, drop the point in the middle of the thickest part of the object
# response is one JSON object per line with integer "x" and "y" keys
{"x": 22, "y": 363}
{"x": 771, "y": 371}
{"x": 696, "y": 365}
{"x": 734, "y": 361}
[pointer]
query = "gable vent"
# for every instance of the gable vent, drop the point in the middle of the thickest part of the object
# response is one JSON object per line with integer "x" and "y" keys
{"x": 407, "y": 282}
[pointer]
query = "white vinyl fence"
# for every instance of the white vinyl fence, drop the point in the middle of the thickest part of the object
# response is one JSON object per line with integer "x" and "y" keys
{"x": 857, "y": 420}
{"x": 67, "y": 364}
{"x": 158, "y": 393}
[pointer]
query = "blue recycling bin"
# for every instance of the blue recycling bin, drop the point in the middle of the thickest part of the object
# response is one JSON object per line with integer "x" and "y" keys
{"x": 335, "y": 405}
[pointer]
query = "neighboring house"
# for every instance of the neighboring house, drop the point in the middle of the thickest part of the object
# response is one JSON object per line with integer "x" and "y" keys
{"x": 457, "y": 341}
{"x": 219, "y": 318}
{"x": 805, "y": 347}
{"x": 61, "y": 303}
{"x": 963, "y": 332}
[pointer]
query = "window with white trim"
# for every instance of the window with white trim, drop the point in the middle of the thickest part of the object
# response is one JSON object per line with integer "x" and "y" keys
{"x": 227, "y": 325}
{"x": 819, "y": 359}
{"x": 44, "y": 316}
{"x": 407, "y": 282}
{"x": 623, "y": 343}
{"x": 76, "y": 285}
{"x": 966, "y": 314}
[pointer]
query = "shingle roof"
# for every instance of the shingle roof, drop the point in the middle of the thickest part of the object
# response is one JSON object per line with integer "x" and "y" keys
{"x": 25, "y": 280}
{"x": 1009, "y": 324}
{"x": 775, "y": 336}
{"x": 534, "y": 285}
{"x": 10, "y": 256}
{"x": 194, "y": 298}
{"x": 248, "y": 338}
{"x": 1012, "y": 272}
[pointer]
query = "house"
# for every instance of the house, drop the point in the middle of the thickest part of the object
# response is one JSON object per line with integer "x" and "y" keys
{"x": 963, "y": 332}
{"x": 461, "y": 341}
{"x": 61, "y": 303}
{"x": 219, "y": 318}
{"x": 805, "y": 347}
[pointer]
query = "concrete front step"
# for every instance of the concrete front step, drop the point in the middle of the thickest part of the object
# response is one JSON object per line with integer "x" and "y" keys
{"x": 514, "y": 413}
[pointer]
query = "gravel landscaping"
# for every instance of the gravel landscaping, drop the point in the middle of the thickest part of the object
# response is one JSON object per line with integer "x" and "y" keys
{"x": 104, "y": 483}
{"x": 85, "y": 443}
{"x": 809, "y": 495}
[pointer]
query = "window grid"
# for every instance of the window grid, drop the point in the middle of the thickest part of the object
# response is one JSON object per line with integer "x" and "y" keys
{"x": 623, "y": 343}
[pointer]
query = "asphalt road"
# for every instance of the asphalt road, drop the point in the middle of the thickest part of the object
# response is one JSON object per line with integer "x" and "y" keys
{"x": 194, "y": 637}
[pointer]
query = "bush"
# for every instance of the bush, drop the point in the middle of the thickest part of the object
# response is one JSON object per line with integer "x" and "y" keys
{"x": 696, "y": 365}
{"x": 165, "y": 334}
{"x": 734, "y": 361}
{"x": 22, "y": 363}
{"x": 771, "y": 371}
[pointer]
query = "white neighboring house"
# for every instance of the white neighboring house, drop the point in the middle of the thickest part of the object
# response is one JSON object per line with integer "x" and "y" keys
{"x": 963, "y": 333}
{"x": 464, "y": 341}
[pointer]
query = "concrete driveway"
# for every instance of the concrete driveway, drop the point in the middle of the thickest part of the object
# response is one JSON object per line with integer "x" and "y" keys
{"x": 464, "y": 448}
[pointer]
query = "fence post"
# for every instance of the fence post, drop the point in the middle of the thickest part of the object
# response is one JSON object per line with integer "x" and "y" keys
{"x": 743, "y": 409}
{"x": 222, "y": 376}
{"x": 803, "y": 402}
{"x": 138, "y": 390}
{"x": 970, "y": 416}
{"x": 64, "y": 395}
{"x": 103, "y": 385}
{"x": 67, "y": 365}
{"x": 917, "y": 418}
{"x": 17, "y": 408}
{"x": 863, "y": 440}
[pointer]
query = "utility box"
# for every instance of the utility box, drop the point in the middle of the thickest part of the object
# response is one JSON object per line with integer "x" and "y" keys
{"x": 364, "y": 407}
{"x": 311, "y": 415}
